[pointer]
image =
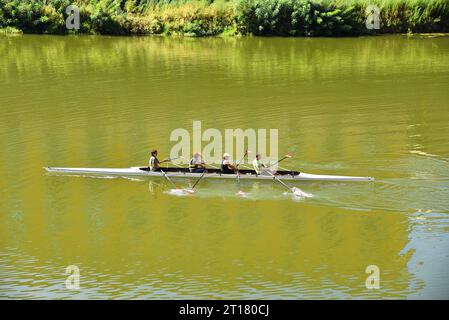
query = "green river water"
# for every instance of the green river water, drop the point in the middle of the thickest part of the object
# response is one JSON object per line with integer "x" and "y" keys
{"x": 375, "y": 106}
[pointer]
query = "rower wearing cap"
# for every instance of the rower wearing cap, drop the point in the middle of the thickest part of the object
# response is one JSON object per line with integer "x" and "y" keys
{"x": 226, "y": 166}
{"x": 257, "y": 165}
{"x": 154, "y": 163}
{"x": 196, "y": 165}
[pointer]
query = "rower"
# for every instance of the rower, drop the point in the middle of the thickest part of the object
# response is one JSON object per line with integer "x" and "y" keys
{"x": 226, "y": 166}
{"x": 196, "y": 165}
{"x": 257, "y": 165}
{"x": 154, "y": 163}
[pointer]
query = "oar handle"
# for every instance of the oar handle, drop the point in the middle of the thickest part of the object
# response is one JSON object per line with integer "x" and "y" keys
{"x": 277, "y": 162}
{"x": 169, "y": 159}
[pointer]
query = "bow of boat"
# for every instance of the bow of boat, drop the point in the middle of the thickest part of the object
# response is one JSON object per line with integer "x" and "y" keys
{"x": 119, "y": 171}
{"x": 321, "y": 177}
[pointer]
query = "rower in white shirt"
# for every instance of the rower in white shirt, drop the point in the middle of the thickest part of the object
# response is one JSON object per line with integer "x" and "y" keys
{"x": 257, "y": 165}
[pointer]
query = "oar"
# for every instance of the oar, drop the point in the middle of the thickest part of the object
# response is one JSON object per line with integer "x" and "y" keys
{"x": 165, "y": 175}
{"x": 297, "y": 192}
{"x": 192, "y": 189}
{"x": 170, "y": 159}
{"x": 210, "y": 165}
{"x": 287, "y": 156}
{"x": 241, "y": 192}
{"x": 238, "y": 163}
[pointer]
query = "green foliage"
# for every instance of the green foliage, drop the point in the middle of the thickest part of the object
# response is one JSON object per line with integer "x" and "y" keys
{"x": 106, "y": 17}
{"x": 262, "y": 17}
{"x": 196, "y": 19}
{"x": 33, "y": 16}
{"x": 230, "y": 17}
{"x": 141, "y": 25}
{"x": 10, "y": 30}
{"x": 297, "y": 18}
{"x": 408, "y": 15}
{"x": 321, "y": 19}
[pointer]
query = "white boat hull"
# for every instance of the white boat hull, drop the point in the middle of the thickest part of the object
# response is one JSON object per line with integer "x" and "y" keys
{"x": 137, "y": 171}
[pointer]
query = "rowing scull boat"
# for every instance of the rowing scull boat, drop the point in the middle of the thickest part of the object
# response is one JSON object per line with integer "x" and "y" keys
{"x": 211, "y": 173}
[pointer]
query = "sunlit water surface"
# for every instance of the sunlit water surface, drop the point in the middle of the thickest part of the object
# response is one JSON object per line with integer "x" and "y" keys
{"x": 361, "y": 106}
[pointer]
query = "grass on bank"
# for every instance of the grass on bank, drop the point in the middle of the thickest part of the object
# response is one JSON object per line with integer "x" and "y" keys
{"x": 10, "y": 30}
{"x": 209, "y": 18}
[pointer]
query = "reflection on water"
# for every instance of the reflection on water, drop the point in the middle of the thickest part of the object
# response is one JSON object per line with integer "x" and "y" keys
{"x": 363, "y": 106}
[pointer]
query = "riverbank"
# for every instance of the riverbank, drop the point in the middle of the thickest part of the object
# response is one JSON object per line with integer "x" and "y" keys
{"x": 236, "y": 17}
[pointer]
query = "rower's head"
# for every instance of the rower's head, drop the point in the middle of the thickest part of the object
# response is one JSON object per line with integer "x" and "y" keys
{"x": 258, "y": 157}
{"x": 226, "y": 156}
{"x": 154, "y": 153}
{"x": 196, "y": 155}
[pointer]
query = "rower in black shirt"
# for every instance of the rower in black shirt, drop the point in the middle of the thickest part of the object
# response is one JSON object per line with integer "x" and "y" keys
{"x": 226, "y": 166}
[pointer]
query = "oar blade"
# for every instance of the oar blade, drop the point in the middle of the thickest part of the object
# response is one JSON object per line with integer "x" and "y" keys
{"x": 241, "y": 193}
{"x": 177, "y": 192}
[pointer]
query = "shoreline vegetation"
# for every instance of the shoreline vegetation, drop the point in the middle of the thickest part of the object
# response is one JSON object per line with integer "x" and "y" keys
{"x": 200, "y": 18}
